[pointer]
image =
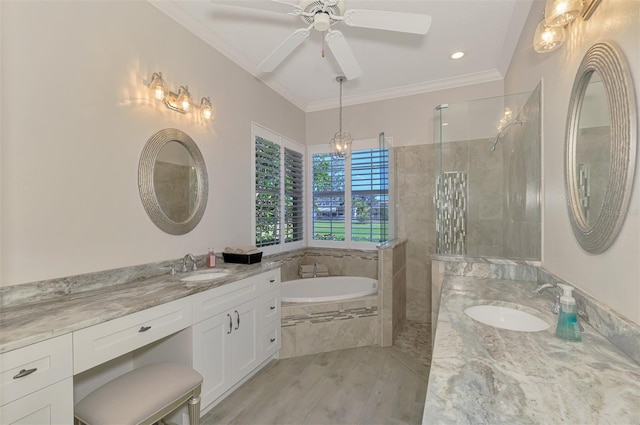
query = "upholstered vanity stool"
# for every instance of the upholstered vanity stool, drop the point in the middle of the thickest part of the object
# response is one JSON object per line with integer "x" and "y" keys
{"x": 143, "y": 396}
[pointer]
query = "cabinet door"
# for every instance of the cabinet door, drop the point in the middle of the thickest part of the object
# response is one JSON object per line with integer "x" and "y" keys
{"x": 52, "y": 405}
{"x": 245, "y": 356}
{"x": 212, "y": 355}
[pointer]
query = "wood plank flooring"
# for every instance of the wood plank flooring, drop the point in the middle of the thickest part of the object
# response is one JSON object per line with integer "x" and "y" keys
{"x": 367, "y": 385}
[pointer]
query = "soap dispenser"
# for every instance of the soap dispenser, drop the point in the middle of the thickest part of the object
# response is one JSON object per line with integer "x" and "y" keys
{"x": 568, "y": 327}
{"x": 211, "y": 258}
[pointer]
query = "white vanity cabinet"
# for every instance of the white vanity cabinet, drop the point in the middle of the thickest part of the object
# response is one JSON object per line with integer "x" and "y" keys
{"x": 36, "y": 385}
{"x": 228, "y": 333}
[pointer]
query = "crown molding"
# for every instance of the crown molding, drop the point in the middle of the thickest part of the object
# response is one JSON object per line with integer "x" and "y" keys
{"x": 408, "y": 90}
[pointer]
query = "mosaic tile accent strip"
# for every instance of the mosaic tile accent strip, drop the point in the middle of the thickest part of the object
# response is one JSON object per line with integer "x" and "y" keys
{"x": 329, "y": 316}
{"x": 584, "y": 188}
{"x": 450, "y": 202}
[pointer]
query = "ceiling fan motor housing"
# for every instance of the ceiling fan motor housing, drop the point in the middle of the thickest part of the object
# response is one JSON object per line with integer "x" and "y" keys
{"x": 320, "y": 10}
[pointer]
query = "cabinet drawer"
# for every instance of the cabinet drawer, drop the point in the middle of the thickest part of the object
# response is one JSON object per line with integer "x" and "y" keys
{"x": 215, "y": 301}
{"x": 269, "y": 280}
{"x": 100, "y": 343}
{"x": 270, "y": 340}
{"x": 270, "y": 303}
{"x": 52, "y": 405}
{"x": 51, "y": 360}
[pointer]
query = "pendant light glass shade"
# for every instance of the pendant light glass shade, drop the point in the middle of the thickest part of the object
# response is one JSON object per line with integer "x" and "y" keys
{"x": 547, "y": 38}
{"x": 560, "y": 12}
{"x": 341, "y": 142}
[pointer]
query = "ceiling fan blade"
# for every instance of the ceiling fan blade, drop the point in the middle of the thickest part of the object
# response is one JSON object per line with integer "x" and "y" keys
{"x": 412, "y": 23}
{"x": 284, "y": 49}
{"x": 278, "y": 6}
{"x": 343, "y": 54}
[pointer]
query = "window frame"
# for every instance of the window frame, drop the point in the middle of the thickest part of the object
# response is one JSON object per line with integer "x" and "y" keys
{"x": 360, "y": 144}
{"x": 258, "y": 130}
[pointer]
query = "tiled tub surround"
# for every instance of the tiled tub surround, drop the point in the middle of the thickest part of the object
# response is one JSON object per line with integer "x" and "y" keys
{"x": 309, "y": 328}
{"x": 340, "y": 262}
{"x": 328, "y": 326}
{"x": 35, "y": 312}
{"x": 483, "y": 375}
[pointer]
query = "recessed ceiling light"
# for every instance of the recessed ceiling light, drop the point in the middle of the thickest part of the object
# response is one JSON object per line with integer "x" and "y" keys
{"x": 457, "y": 55}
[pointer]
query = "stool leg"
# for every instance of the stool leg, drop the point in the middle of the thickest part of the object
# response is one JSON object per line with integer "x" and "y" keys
{"x": 194, "y": 410}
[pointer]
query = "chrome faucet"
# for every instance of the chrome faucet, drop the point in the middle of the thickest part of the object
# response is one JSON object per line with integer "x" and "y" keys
{"x": 187, "y": 257}
{"x": 556, "y": 305}
{"x": 544, "y": 286}
{"x": 315, "y": 269}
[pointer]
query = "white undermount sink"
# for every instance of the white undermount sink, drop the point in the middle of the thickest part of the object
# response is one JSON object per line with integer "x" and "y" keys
{"x": 204, "y": 276}
{"x": 506, "y": 318}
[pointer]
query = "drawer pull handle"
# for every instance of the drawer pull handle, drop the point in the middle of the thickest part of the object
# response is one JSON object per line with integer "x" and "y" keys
{"x": 272, "y": 340}
{"x": 25, "y": 372}
{"x": 273, "y": 307}
{"x": 238, "y": 318}
{"x": 230, "y": 324}
{"x": 144, "y": 328}
{"x": 272, "y": 280}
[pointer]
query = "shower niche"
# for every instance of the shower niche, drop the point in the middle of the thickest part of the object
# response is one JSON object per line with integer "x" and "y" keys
{"x": 487, "y": 184}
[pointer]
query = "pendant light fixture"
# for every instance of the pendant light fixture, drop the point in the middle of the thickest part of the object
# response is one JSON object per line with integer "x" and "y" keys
{"x": 341, "y": 142}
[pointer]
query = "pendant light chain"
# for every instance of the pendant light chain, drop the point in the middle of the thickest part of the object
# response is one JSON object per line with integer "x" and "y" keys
{"x": 341, "y": 79}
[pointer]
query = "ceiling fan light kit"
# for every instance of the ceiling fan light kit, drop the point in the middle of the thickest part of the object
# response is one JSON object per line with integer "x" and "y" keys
{"x": 321, "y": 15}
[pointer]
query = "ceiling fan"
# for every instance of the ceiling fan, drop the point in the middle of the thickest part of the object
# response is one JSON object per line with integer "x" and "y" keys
{"x": 321, "y": 15}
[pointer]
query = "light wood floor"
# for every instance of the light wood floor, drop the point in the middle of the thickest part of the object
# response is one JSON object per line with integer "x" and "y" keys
{"x": 367, "y": 385}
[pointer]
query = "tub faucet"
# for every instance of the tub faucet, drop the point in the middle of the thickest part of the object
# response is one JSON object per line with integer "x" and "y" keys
{"x": 187, "y": 257}
{"x": 315, "y": 269}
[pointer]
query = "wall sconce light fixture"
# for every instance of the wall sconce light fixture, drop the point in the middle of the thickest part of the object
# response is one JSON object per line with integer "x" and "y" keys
{"x": 550, "y": 32}
{"x": 182, "y": 101}
{"x": 547, "y": 38}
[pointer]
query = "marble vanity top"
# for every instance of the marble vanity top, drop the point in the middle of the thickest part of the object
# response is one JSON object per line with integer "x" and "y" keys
{"x": 484, "y": 375}
{"x": 22, "y": 325}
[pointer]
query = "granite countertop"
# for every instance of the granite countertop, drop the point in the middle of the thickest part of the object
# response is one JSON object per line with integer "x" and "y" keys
{"x": 484, "y": 375}
{"x": 27, "y": 324}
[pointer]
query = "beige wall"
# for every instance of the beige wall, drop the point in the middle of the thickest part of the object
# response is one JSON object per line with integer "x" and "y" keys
{"x": 408, "y": 120}
{"x": 74, "y": 122}
{"x": 614, "y": 276}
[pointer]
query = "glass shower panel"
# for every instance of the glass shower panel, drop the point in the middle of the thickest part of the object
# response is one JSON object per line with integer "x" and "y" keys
{"x": 488, "y": 182}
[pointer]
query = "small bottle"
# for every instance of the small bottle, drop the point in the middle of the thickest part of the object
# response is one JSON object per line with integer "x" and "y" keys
{"x": 568, "y": 327}
{"x": 211, "y": 258}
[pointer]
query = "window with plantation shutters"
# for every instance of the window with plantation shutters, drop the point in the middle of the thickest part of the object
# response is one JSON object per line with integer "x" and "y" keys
{"x": 278, "y": 191}
{"x": 369, "y": 195}
{"x": 267, "y": 192}
{"x": 350, "y": 197}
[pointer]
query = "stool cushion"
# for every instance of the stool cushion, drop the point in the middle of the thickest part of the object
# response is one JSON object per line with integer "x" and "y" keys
{"x": 135, "y": 396}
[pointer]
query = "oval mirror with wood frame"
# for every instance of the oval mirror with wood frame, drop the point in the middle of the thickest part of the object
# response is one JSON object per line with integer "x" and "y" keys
{"x": 600, "y": 147}
{"x": 172, "y": 180}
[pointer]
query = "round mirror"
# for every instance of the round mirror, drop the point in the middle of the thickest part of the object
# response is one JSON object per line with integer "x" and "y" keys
{"x": 172, "y": 179}
{"x": 600, "y": 149}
